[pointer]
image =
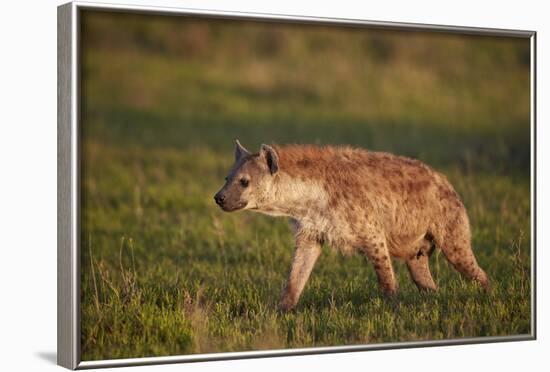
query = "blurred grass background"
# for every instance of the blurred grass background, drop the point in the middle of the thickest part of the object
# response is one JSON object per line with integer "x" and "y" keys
{"x": 164, "y": 272}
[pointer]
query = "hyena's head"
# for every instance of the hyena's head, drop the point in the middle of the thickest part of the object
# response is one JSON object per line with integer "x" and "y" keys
{"x": 248, "y": 184}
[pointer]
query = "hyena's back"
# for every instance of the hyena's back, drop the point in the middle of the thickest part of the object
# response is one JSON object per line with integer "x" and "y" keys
{"x": 372, "y": 196}
{"x": 404, "y": 197}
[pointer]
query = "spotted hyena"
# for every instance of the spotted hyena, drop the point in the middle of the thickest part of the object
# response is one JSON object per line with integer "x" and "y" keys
{"x": 381, "y": 205}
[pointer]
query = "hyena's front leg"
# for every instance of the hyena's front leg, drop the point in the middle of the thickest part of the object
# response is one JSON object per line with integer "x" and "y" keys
{"x": 377, "y": 252}
{"x": 305, "y": 255}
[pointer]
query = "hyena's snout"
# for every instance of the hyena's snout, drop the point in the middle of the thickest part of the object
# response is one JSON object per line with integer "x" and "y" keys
{"x": 219, "y": 198}
{"x": 228, "y": 201}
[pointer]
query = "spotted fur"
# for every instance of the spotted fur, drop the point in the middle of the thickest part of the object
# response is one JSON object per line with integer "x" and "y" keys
{"x": 378, "y": 204}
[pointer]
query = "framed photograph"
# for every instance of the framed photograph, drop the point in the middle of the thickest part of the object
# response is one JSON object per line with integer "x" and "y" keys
{"x": 235, "y": 185}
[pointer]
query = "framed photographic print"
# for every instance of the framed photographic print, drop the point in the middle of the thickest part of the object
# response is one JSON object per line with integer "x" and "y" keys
{"x": 235, "y": 185}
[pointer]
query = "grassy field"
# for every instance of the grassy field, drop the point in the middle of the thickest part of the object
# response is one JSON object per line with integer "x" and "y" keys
{"x": 165, "y": 272}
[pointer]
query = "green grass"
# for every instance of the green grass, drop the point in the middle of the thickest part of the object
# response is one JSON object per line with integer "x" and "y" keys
{"x": 165, "y": 272}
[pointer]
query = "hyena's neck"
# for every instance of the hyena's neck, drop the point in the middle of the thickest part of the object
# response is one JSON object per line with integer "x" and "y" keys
{"x": 294, "y": 197}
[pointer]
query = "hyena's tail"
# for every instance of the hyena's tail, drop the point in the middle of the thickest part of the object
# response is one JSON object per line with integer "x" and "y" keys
{"x": 452, "y": 235}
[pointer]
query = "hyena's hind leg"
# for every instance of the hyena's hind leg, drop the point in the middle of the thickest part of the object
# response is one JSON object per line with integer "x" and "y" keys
{"x": 419, "y": 268}
{"x": 376, "y": 250}
{"x": 455, "y": 241}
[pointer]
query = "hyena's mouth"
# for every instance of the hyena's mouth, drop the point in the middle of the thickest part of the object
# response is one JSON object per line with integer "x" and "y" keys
{"x": 233, "y": 208}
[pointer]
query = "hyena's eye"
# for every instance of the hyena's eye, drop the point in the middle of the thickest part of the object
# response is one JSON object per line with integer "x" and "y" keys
{"x": 226, "y": 179}
{"x": 244, "y": 182}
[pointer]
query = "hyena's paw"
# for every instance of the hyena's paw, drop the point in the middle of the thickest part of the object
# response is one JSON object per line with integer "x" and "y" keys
{"x": 389, "y": 290}
{"x": 483, "y": 280}
{"x": 286, "y": 304}
{"x": 389, "y": 293}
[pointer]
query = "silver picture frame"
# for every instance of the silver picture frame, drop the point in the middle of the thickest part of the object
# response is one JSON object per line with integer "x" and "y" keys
{"x": 68, "y": 183}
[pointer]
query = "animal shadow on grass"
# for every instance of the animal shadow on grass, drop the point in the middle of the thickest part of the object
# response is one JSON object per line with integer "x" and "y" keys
{"x": 360, "y": 300}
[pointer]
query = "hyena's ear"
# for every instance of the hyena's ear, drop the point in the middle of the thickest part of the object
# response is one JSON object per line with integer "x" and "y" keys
{"x": 271, "y": 158}
{"x": 240, "y": 151}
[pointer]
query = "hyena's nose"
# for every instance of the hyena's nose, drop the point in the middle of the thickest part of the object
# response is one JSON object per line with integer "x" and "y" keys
{"x": 219, "y": 198}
